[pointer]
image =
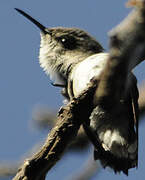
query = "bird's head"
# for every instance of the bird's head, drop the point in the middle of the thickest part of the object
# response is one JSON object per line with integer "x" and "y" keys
{"x": 61, "y": 48}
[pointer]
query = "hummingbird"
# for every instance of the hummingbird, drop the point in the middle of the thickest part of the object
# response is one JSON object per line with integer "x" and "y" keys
{"x": 72, "y": 58}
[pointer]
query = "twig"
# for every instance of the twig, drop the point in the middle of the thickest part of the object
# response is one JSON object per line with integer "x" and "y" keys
{"x": 142, "y": 100}
{"x": 89, "y": 169}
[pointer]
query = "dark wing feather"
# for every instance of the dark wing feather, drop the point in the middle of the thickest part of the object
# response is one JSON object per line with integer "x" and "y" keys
{"x": 108, "y": 158}
{"x": 135, "y": 107}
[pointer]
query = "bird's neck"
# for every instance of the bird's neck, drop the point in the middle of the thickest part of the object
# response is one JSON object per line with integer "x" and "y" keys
{"x": 58, "y": 67}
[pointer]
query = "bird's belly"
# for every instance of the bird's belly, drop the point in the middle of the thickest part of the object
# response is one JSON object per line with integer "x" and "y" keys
{"x": 82, "y": 74}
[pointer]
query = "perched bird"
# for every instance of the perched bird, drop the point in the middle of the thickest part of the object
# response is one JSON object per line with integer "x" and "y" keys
{"x": 72, "y": 58}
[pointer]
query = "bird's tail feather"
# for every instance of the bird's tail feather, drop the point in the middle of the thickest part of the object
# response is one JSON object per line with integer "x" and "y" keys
{"x": 115, "y": 140}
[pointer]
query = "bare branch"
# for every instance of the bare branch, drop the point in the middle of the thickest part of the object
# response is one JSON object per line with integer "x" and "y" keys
{"x": 142, "y": 100}
{"x": 43, "y": 117}
{"x": 69, "y": 120}
{"x": 9, "y": 169}
{"x": 89, "y": 169}
{"x": 127, "y": 49}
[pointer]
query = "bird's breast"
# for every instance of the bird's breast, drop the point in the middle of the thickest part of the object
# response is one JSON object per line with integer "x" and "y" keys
{"x": 83, "y": 72}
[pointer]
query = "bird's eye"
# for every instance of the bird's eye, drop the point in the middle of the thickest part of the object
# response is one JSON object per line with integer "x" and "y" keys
{"x": 68, "y": 42}
{"x": 63, "y": 40}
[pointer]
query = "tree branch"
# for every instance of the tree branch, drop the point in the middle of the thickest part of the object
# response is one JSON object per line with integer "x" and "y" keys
{"x": 69, "y": 120}
{"x": 127, "y": 50}
{"x": 89, "y": 169}
{"x": 142, "y": 100}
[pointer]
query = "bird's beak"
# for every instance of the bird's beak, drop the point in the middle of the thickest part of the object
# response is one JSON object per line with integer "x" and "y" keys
{"x": 40, "y": 26}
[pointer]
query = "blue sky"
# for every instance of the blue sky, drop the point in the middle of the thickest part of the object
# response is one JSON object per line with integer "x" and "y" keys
{"x": 23, "y": 84}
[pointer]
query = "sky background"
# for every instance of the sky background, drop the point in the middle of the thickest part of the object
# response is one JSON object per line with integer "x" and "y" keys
{"x": 23, "y": 84}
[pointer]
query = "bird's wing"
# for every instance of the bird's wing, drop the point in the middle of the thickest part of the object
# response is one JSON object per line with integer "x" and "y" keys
{"x": 135, "y": 107}
{"x": 116, "y": 139}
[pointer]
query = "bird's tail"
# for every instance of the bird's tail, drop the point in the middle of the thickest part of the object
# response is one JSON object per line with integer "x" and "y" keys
{"x": 115, "y": 136}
